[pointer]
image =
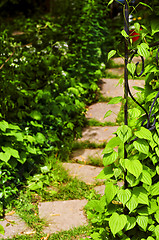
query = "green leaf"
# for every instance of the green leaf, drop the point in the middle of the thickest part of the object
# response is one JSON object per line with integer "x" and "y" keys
{"x": 107, "y": 150}
{"x": 134, "y": 167}
{"x": 13, "y": 152}
{"x": 124, "y": 133}
{"x": 35, "y": 185}
{"x": 132, "y": 180}
{"x": 117, "y": 222}
{"x": 114, "y": 142}
{"x": 73, "y": 90}
{"x": 108, "y": 113}
{"x": 124, "y": 34}
{"x": 131, "y": 222}
{"x": 132, "y": 203}
{"x": 110, "y": 2}
{"x": 141, "y": 145}
{"x": 150, "y": 238}
{"x": 19, "y": 136}
{"x": 109, "y": 158}
{"x": 141, "y": 195}
{"x": 45, "y": 169}
{"x": 111, "y": 54}
{"x": 143, "y": 50}
{"x": 154, "y": 26}
{"x": 157, "y": 231}
{"x": 142, "y": 221}
{"x": 131, "y": 67}
{"x": 146, "y": 5}
{"x": 110, "y": 192}
{"x": 31, "y": 149}
{"x": 157, "y": 151}
{"x": 155, "y": 189}
{"x": 35, "y": 124}
{"x": 40, "y": 138}
{"x": 3, "y": 125}
{"x": 137, "y": 27}
{"x": 36, "y": 115}
{"x": 106, "y": 173}
{"x": 115, "y": 100}
{"x": 5, "y": 156}
{"x": 157, "y": 216}
{"x": 2, "y": 230}
{"x": 124, "y": 195}
{"x": 153, "y": 207}
{"x": 144, "y": 134}
{"x": 146, "y": 177}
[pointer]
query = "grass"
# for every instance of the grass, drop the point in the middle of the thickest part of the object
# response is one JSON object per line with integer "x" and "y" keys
{"x": 93, "y": 161}
{"x": 73, "y": 234}
{"x": 60, "y": 187}
{"x": 101, "y": 98}
{"x": 94, "y": 122}
{"x": 87, "y": 144}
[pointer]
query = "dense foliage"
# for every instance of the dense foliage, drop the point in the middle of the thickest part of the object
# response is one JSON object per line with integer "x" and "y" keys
{"x": 50, "y": 67}
{"x": 130, "y": 207}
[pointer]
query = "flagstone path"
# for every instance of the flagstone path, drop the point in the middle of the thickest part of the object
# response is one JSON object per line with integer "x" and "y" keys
{"x": 64, "y": 215}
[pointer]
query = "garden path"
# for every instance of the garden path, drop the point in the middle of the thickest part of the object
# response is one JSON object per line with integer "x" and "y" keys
{"x": 64, "y": 215}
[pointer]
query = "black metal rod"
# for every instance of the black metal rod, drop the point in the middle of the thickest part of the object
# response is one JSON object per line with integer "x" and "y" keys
{"x": 126, "y": 28}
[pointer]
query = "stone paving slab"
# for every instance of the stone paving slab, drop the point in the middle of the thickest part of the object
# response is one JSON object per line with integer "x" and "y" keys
{"x": 85, "y": 173}
{"x": 84, "y": 155}
{"x": 98, "y": 110}
{"x": 109, "y": 87}
{"x": 98, "y": 134}
{"x": 13, "y": 226}
{"x": 62, "y": 215}
{"x": 100, "y": 189}
{"x": 119, "y": 72}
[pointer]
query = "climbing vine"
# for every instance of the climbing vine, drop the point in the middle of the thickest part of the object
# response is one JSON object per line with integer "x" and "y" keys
{"x": 129, "y": 208}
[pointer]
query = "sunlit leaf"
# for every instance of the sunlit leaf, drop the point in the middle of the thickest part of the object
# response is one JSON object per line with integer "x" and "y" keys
{"x": 111, "y": 54}
{"x": 134, "y": 167}
{"x": 142, "y": 221}
{"x": 106, "y": 173}
{"x": 131, "y": 222}
{"x": 117, "y": 222}
{"x": 131, "y": 67}
{"x": 143, "y": 50}
{"x": 144, "y": 133}
{"x": 110, "y": 192}
{"x": 124, "y": 195}
{"x": 124, "y": 133}
{"x": 36, "y": 115}
{"x": 124, "y": 34}
{"x": 132, "y": 203}
{"x": 141, "y": 145}
{"x": 108, "y": 113}
{"x": 115, "y": 100}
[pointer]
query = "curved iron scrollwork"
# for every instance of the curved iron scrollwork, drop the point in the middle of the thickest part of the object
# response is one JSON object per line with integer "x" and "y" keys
{"x": 147, "y": 123}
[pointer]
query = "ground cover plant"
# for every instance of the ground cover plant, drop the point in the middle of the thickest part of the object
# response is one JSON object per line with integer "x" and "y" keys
{"x": 49, "y": 70}
{"x": 129, "y": 209}
{"x": 50, "y": 66}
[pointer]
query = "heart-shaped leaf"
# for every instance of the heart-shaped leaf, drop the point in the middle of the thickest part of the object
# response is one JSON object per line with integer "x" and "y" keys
{"x": 117, "y": 222}
{"x": 124, "y": 195}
